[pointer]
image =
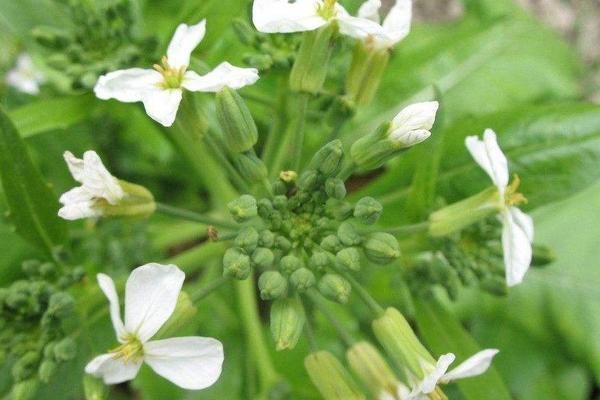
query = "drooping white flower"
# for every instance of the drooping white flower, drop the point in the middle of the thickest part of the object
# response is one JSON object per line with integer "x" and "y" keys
{"x": 396, "y": 24}
{"x": 97, "y": 186}
{"x": 412, "y": 125}
{"x": 436, "y": 373}
{"x": 25, "y": 77}
{"x": 161, "y": 89}
{"x": 151, "y": 294}
{"x": 517, "y": 227}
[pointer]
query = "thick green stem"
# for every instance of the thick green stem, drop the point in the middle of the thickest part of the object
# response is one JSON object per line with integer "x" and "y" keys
{"x": 257, "y": 344}
{"x": 318, "y": 301}
{"x": 197, "y": 257}
{"x": 363, "y": 293}
{"x": 193, "y": 216}
{"x": 208, "y": 289}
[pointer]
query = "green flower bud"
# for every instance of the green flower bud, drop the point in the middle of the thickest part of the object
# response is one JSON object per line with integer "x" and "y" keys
{"x": 280, "y": 202}
{"x": 310, "y": 67}
{"x": 348, "y": 235}
{"x": 289, "y": 264}
{"x": 340, "y": 210}
{"x": 61, "y": 305}
{"x": 332, "y": 380}
{"x": 236, "y": 264}
{"x": 25, "y": 367}
{"x": 331, "y": 243}
{"x": 279, "y": 187}
{"x": 495, "y": 285}
{"x": 265, "y": 208}
{"x": 366, "y": 70}
{"x": 308, "y": 180}
{"x": 369, "y": 365}
{"x": 263, "y": 258}
{"x": 250, "y": 167}
{"x": 283, "y": 244}
{"x": 50, "y": 37}
{"x": 25, "y": 390}
{"x": 272, "y": 285}
{"x": 49, "y": 350}
{"x": 287, "y": 322}
{"x": 94, "y": 388}
{"x": 368, "y": 210}
{"x": 288, "y": 176}
{"x": 47, "y": 370}
{"x": 247, "y": 239}
{"x": 65, "y": 350}
{"x": 328, "y": 159}
{"x": 335, "y": 188}
{"x": 381, "y": 248}
{"x": 239, "y": 129}
{"x": 302, "y": 279}
{"x": 48, "y": 270}
{"x": 542, "y": 256}
{"x": 266, "y": 238}
{"x": 243, "y": 208}
{"x": 246, "y": 33}
{"x": 335, "y": 288}
{"x": 320, "y": 260}
{"x": 348, "y": 258}
{"x": 31, "y": 268}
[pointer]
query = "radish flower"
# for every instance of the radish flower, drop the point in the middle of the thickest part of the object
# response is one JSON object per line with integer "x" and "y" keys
{"x": 395, "y": 26}
{"x": 24, "y": 76}
{"x": 151, "y": 294}
{"x": 161, "y": 89}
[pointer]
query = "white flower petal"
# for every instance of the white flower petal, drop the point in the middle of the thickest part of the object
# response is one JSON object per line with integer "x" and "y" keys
{"x": 127, "y": 85}
{"x": 490, "y": 157}
{"x": 81, "y": 210}
{"x": 108, "y": 287}
{"x": 370, "y": 10}
{"x": 516, "y": 243}
{"x": 162, "y": 104}
{"x": 410, "y": 138}
{"x": 77, "y": 195}
{"x": 431, "y": 380}
{"x": 397, "y": 23}
{"x": 475, "y": 365}
{"x": 184, "y": 41}
{"x": 98, "y": 181}
{"x": 112, "y": 370}
{"x": 75, "y": 166}
{"x": 223, "y": 75}
{"x": 189, "y": 362}
{"x": 24, "y": 76}
{"x": 272, "y": 16}
{"x": 359, "y": 28}
{"x": 150, "y": 297}
{"x": 416, "y": 116}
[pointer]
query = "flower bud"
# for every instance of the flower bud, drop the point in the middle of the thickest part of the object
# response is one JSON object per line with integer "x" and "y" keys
{"x": 283, "y": 244}
{"x": 287, "y": 322}
{"x": 243, "y": 208}
{"x": 332, "y": 380}
{"x": 280, "y": 202}
{"x": 308, "y": 180}
{"x": 263, "y": 258}
{"x": 266, "y": 238}
{"x": 331, "y": 243}
{"x": 320, "y": 260}
{"x": 25, "y": 390}
{"x": 348, "y": 235}
{"x": 381, "y": 248}
{"x": 328, "y": 159}
{"x": 289, "y": 264}
{"x": 31, "y": 268}
{"x": 348, "y": 258}
{"x": 250, "y": 167}
{"x": 94, "y": 388}
{"x": 236, "y": 264}
{"x": 24, "y": 368}
{"x": 272, "y": 285}
{"x": 247, "y": 239}
{"x": 65, "y": 350}
{"x": 47, "y": 370}
{"x": 495, "y": 285}
{"x": 60, "y": 305}
{"x": 302, "y": 279}
{"x": 366, "y": 70}
{"x": 340, "y": 210}
{"x": 288, "y": 176}
{"x": 239, "y": 129}
{"x": 370, "y": 367}
{"x": 310, "y": 67}
{"x": 335, "y": 188}
{"x": 335, "y": 288}
{"x": 368, "y": 210}
{"x": 246, "y": 33}
{"x": 542, "y": 256}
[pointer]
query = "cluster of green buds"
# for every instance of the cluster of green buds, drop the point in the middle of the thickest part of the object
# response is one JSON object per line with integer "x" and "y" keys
{"x": 103, "y": 37}
{"x": 32, "y": 316}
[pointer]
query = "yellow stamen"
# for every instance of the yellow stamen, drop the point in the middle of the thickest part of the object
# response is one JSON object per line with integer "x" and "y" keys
{"x": 512, "y": 197}
{"x": 132, "y": 349}
{"x": 172, "y": 77}
{"x": 327, "y": 9}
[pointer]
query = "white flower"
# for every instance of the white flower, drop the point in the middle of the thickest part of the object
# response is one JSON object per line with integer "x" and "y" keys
{"x": 24, "y": 76}
{"x": 517, "y": 231}
{"x": 395, "y": 26}
{"x": 403, "y": 392}
{"x": 473, "y": 366}
{"x": 161, "y": 89}
{"x": 97, "y": 185}
{"x": 151, "y": 295}
{"x": 412, "y": 125}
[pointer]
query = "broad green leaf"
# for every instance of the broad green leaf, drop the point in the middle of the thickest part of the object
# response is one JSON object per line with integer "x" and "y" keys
{"x": 444, "y": 334}
{"x": 50, "y": 114}
{"x": 32, "y": 204}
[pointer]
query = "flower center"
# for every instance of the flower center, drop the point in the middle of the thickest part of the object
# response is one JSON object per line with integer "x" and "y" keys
{"x": 327, "y": 9}
{"x": 172, "y": 77}
{"x": 132, "y": 349}
{"x": 512, "y": 197}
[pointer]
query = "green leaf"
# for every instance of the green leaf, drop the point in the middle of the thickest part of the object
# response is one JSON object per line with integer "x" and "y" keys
{"x": 444, "y": 333}
{"x": 50, "y": 114}
{"x": 32, "y": 204}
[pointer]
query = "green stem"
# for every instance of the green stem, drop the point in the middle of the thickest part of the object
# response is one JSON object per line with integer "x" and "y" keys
{"x": 273, "y": 139}
{"x": 409, "y": 229}
{"x": 193, "y": 216}
{"x": 298, "y": 139}
{"x": 217, "y": 151}
{"x": 257, "y": 344}
{"x": 308, "y": 328}
{"x": 197, "y": 257}
{"x": 318, "y": 301}
{"x": 208, "y": 289}
{"x": 362, "y": 293}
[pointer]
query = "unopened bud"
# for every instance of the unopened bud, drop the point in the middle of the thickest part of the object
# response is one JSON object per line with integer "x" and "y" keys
{"x": 302, "y": 279}
{"x": 308, "y": 180}
{"x": 239, "y": 129}
{"x": 272, "y": 285}
{"x": 495, "y": 285}
{"x": 283, "y": 244}
{"x": 266, "y": 238}
{"x": 310, "y": 67}
{"x": 335, "y": 288}
{"x": 60, "y": 305}
{"x": 369, "y": 365}
{"x": 247, "y": 239}
{"x": 335, "y": 188}
{"x": 244, "y": 32}
{"x": 348, "y": 234}
{"x": 328, "y": 159}
{"x": 47, "y": 370}
{"x": 65, "y": 350}
{"x": 320, "y": 260}
{"x": 25, "y": 390}
{"x": 381, "y": 248}
{"x": 288, "y": 176}
{"x": 287, "y": 322}
{"x": 250, "y": 167}
{"x": 340, "y": 210}
{"x": 331, "y": 243}
{"x": 289, "y": 264}
{"x": 243, "y": 208}
{"x": 368, "y": 210}
{"x": 348, "y": 258}
{"x": 263, "y": 258}
{"x": 265, "y": 208}
{"x": 236, "y": 263}
{"x": 542, "y": 256}
{"x": 330, "y": 377}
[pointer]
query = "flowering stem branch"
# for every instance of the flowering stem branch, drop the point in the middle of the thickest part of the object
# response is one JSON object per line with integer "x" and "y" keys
{"x": 298, "y": 139}
{"x": 193, "y": 216}
{"x": 222, "y": 158}
{"x": 272, "y": 142}
{"x": 362, "y": 293}
{"x": 208, "y": 289}
{"x": 317, "y": 300}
